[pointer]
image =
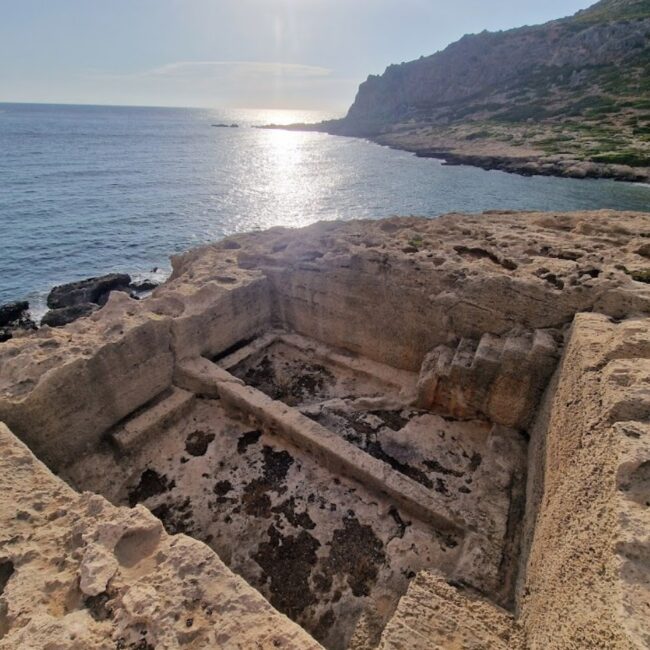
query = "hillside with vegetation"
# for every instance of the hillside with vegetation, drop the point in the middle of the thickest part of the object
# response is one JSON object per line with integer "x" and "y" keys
{"x": 570, "y": 97}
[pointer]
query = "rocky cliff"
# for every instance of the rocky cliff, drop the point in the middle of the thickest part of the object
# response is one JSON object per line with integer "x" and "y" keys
{"x": 568, "y": 97}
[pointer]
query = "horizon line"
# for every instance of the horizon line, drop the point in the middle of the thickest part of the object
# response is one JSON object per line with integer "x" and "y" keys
{"x": 199, "y": 108}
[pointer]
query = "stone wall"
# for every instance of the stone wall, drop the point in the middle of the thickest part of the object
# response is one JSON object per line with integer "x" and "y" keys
{"x": 67, "y": 387}
{"x": 62, "y": 411}
{"x": 584, "y": 577}
{"x": 393, "y": 290}
{"x": 214, "y": 320}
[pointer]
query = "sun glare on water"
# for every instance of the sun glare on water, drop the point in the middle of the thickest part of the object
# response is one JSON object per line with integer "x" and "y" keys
{"x": 288, "y": 187}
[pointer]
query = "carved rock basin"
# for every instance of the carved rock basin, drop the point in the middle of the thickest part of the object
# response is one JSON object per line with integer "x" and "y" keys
{"x": 360, "y": 435}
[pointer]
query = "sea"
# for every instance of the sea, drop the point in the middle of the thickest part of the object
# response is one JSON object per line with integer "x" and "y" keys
{"x": 88, "y": 190}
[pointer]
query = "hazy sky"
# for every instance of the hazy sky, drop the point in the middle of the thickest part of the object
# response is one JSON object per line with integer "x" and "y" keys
{"x": 231, "y": 53}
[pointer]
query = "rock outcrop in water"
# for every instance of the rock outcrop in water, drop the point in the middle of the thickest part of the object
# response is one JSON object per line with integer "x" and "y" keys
{"x": 69, "y": 302}
{"x": 568, "y": 98}
{"x": 14, "y": 318}
{"x": 406, "y": 433}
{"x": 92, "y": 290}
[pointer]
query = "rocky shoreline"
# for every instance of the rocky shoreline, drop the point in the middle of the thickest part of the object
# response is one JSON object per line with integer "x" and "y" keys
{"x": 566, "y": 98}
{"x": 536, "y": 166}
{"x": 68, "y": 302}
{"x": 485, "y": 154}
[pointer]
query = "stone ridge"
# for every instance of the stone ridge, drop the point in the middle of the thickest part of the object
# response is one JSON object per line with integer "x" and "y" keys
{"x": 552, "y": 264}
{"x": 585, "y": 576}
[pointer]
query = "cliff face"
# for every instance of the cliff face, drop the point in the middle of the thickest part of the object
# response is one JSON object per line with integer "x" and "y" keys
{"x": 573, "y": 90}
{"x": 524, "y": 65}
{"x": 485, "y": 72}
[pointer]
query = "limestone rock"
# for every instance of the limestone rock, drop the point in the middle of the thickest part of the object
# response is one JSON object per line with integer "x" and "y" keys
{"x": 434, "y": 615}
{"x": 88, "y": 574}
{"x": 501, "y": 378}
{"x": 538, "y": 321}
{"x": 584, "y": 570}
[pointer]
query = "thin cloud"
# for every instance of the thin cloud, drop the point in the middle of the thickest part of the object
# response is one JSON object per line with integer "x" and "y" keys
{"x": 230, "y": 69}
{"x": 256, "y": 68}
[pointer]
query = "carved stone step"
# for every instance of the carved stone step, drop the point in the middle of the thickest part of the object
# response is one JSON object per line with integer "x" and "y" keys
{"x": 149, "y": 421}
{"x": 500, "y": 378}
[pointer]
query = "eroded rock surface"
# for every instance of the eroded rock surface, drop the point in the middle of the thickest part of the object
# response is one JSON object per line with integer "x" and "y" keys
{"x": 400, "y": 433}
{"x": 585, "y": 580}
{"x": 77, "y": 572}
{"x": 323, "y": 548}
{"x": 434, "y": 615}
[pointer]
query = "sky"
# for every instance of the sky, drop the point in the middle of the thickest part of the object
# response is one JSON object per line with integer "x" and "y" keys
{"x": 296, "y": 54}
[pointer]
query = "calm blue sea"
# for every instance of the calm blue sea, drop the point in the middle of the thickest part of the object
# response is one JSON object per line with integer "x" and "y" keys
{"x": 86, "y": 190}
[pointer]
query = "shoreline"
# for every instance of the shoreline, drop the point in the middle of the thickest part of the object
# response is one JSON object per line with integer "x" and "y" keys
{"x": 37, "y": 296}
{"x": 529, "y": 166}
{"x": 535, "y": 164}
{"x": 140, "y": 284}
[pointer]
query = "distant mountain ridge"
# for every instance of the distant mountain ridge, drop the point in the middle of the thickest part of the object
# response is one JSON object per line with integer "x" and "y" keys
{"x": 490, "y": 72}
{"x": 569, "y": 97}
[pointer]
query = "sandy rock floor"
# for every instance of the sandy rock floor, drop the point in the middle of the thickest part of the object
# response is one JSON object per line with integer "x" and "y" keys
{"x": 322, "y": 548}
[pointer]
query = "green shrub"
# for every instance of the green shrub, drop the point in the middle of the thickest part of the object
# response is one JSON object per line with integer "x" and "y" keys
{"x": 632, "y": 158}
{"x": 477, "y": 135}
